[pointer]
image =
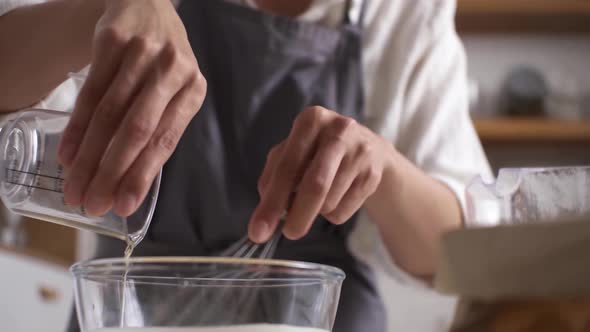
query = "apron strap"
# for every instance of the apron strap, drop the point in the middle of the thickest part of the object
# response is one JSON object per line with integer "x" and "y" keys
{"x": 363, "y": 12}
{"x": 348, "y": 10}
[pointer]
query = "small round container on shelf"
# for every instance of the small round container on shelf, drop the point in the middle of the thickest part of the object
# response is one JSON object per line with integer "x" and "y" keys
{"x": 524, "y": 92}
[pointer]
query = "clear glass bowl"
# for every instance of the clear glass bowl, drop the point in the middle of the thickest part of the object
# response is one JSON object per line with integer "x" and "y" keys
{"x": 206, "y": 294}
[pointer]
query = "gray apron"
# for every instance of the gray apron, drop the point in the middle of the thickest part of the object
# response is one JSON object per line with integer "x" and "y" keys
{"x": 262, "y": 71}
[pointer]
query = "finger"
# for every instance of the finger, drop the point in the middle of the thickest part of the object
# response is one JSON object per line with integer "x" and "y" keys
{"x": 272, "y": 160}
{"x": 361, "y": 188}
{"x": 133, "y": 134}
{"x": 106, "y": 58}
{"x": 107, "y": 117}
{"x": 342, "y": 182}
{"x": 313, "y": 189}
{"x": 298, "y": 150}
{"x": 138, "y": 179}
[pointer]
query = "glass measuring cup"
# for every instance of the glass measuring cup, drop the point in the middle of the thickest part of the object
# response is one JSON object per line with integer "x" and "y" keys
{"x": 31, "y": 179}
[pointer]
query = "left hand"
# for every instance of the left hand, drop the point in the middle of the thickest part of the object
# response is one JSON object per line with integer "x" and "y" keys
{"x": 334, "y": 165}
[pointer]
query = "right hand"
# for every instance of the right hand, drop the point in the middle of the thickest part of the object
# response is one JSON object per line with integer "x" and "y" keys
{"x": 143, "y": 89}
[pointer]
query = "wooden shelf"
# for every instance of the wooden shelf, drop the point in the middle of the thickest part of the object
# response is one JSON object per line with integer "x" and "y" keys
{"x": 532, "y": 130}
{"x": 523, "y": 16}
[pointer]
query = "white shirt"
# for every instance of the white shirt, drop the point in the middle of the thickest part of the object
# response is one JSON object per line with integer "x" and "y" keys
{"x": 416, "y": 88}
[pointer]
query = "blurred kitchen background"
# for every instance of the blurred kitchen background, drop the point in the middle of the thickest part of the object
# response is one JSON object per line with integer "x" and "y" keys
{"x": 529, "y": 65}
{"x": 529, "y": 69}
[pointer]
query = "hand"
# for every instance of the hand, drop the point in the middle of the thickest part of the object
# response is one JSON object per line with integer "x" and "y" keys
{"x": 143, "y": 89}
{"x": 332, "y": 163}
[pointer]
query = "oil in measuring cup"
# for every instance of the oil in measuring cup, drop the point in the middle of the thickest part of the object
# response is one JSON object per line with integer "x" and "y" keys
{"x": 32, "y": 179}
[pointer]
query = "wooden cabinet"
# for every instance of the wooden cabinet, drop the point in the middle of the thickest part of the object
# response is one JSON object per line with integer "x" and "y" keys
{"x": 36, "y": 294}
{"x": 52, "y": 240}
{"x": 523, "y": 16}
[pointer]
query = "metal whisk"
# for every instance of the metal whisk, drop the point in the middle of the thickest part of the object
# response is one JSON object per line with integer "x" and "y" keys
{"x": 212, "y": 302}
{"x": 245, "y": 248}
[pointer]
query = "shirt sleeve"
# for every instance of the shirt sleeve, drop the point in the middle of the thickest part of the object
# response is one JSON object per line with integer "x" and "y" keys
{"x": 63, "y": 97}
{"x": 437, "y": 133}
{"x": 8, "y": 5}
{"x": 417, "y": 97}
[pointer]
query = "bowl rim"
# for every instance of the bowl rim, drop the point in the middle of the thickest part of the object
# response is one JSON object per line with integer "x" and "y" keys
{"x": 93, "y": 266}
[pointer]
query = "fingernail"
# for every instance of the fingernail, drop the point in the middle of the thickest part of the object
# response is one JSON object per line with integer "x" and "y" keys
{"x": 94, "y": 205}
{"x": 66, "y": 153}
{"x": 259, "y": 231}
{"x": 72, "y": 194}
{"x": 125, "y": 204}
{"x": 290, "y": 235}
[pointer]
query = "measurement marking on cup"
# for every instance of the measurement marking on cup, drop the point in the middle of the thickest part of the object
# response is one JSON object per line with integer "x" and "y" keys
{"x": 34, "y": 187}
{"x": 37, "y": 180}
{"x": 35, "y": 174}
